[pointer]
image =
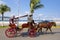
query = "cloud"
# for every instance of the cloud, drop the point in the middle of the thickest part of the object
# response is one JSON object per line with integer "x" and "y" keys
{"x": 1, "y": 2}
{"x": 37, "y": 16}
{"x": 27, "y": 12}
{"x": 45, "y": 17}
{"x": 50, "y": 18}
{"x": 56, "y": 18}
{"x": 41, "y": 14}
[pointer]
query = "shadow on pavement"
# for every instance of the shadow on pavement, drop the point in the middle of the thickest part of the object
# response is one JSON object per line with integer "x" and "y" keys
{"x": 25, "y": 34}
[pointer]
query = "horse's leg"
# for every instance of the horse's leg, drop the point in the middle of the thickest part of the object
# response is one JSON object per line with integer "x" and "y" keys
{"x": 46, "y": 29}
{"x": 40, "y": 30}
{"x": 50, "y": 30}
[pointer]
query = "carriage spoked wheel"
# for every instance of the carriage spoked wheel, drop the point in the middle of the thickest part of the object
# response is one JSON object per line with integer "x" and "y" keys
{"x": 10, "y": 32}
{"x": 32, "y": 33}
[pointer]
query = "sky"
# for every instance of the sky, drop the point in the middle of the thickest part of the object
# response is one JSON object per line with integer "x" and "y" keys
{"x": 50, "y": 10}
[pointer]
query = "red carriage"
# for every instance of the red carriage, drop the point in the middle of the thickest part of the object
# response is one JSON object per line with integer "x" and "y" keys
{"x": 11, "y": 32}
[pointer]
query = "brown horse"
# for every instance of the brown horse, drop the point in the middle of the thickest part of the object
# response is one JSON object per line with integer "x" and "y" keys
{"x": 47, "y": 25}
{"x": 26, "y": 25}
{"x": 29, "y": 25}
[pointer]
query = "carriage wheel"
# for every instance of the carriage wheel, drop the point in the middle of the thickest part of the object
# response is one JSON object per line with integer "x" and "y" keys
{"x": 32, "y": 33}
{"x": 10, "y": 32}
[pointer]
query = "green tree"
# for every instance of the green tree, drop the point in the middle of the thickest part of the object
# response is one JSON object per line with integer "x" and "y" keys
{"x": 35, "y": 4}
{"x": 3, "y": 9}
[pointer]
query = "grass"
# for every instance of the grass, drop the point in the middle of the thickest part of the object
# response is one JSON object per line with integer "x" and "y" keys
{"x": 20, "y": 27}
{"x": 4, "y": 27}
{"x": 56, "y": 27}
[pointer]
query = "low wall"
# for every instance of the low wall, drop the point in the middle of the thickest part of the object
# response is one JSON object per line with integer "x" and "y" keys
{"x": 20, "y": 23}
{"x": 7, "y": 23}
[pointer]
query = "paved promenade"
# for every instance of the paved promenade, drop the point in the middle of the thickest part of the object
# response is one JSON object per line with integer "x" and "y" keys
{"x": 43, "y": 36}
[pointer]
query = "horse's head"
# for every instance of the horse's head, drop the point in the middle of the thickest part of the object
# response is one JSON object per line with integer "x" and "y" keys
{"x": 53, "y": 23}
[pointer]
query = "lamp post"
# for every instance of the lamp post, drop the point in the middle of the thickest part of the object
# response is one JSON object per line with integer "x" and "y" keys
{"x": 18, "y": 11}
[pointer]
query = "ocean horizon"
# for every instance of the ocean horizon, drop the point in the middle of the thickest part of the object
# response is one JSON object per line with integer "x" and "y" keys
{"x": 6, "y": 19}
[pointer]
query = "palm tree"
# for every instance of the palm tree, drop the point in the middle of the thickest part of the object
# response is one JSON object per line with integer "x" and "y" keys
{"x": 35, "y": 4}
{"x": 3, "y": 9}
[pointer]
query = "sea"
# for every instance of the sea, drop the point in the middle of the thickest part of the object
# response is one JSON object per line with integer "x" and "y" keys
{"x": 6, "y": 19}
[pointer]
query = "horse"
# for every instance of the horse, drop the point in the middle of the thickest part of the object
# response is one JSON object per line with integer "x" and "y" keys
{"x": 29, "y": 25}
{"x": 47, "y": 25}
{"x": 31, "y": 28}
